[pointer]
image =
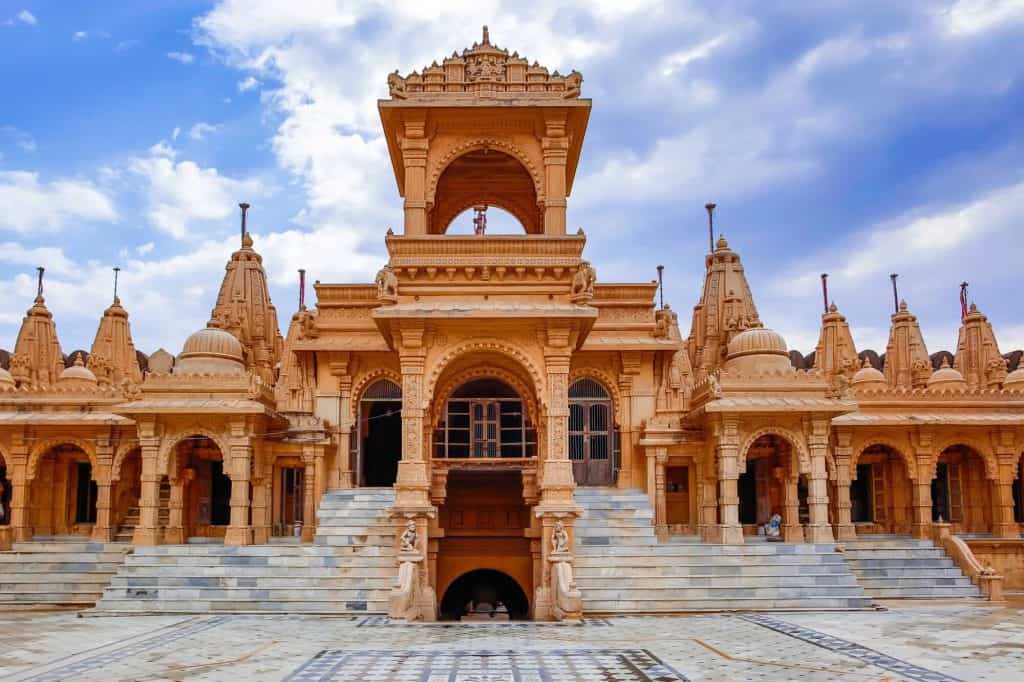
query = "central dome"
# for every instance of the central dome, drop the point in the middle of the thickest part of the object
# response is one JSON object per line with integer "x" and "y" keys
{"x": 77, "y": 373}
{"x": 757, "y": 350}
{"x": 211, "y": 351}
{"x": 868, "y": 377}
{"x": 946, "y": 377}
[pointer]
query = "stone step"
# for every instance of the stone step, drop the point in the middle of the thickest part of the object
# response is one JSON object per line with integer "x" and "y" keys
{"x": 719, "y": 603}
{"x": 116, "y": 606}
{"x": 924, "y": 592}
{"x": 657, "y": 584}
{"x": 677, "y": 592}
{"x": 695, "y": 549}
{"x": 892, "y": 553}
{"x": 290, "y": 581}
{"x": 66, "y": 547}
{"x": 86, "y": 598}
{"x": 309, "y": 593}
{"x": 870, "y": 584}
{"x": 688, "y": 572}
{"x": 951, "y": 571}
{"x": 940, "y": 562}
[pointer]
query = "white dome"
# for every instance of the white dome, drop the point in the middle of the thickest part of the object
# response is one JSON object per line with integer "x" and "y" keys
{"x": 757, "y": 350}
{"x": 77, "y": 372}
{"x": 211, "y": 351}
{"x": 1015, "y": 379}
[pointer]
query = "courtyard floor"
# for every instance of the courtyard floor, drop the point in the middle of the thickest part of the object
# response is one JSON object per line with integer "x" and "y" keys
{"x": 907, "y": 643}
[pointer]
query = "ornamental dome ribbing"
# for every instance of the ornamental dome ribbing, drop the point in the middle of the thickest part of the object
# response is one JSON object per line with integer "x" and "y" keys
{"x": 946, "y": 377}
{"x": 77, "y": 372}
{"x": 211, "y": 351}
{"x": 1015, "y": 379}
{"x": 868, "y": 377}
{"x": 756, "y": 350}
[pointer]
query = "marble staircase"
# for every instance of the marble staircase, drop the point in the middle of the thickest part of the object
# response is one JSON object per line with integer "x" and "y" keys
{"x": 622, "y": 567}
{"x": 349, "y": 568}
{"x": 901, "y": 567}
{"x": 59, "y": 571}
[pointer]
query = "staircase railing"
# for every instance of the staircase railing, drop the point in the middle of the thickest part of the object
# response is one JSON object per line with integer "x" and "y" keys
{"x": 402, "y": 603}
{"x": 985, "y": 577}
{"x": 568, "y": 601}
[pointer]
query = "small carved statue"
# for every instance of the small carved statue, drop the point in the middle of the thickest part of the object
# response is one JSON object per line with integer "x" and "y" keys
{"x": 714, "y": 386}
{"x": 584, "y": 279}
{"x": 773, "y": 528}
{"x": 387, "y": 283}
{"x": 840, "y": 387}
{"x": 396, "y": 85}
{"x": 559, "y": 538}
{"x": 409, "y": 537}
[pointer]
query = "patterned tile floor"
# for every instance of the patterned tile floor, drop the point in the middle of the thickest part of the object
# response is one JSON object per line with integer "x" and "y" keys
{"x": 939, "y": 643}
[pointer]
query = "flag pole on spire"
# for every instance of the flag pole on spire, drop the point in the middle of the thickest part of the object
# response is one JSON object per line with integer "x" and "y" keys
{"x": 39, "y": 287}
{"x": 710, "y": 208}
{"x": 245, "y": 207}
{"x": 824, "y": 289}
{"x": 661, "y": 287}
{"x": 895, "y": 294}
{"x": 117, "y": 271}
{"x": 963, "y": 301}
{"x": 302, "y": 289}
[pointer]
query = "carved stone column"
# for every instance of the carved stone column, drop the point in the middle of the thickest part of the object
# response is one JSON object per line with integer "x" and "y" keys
{"x": 921, "y": 494}
{"x": 844, "y": 528}
{"x": 818, "y": 529}
{"x": 555, "y": 145}
{"x": 340, "y": 475}
{"x": 707, "y": 525}
{"x": 626, "y": 473}
{"x": 727, "y": 459}
{"x": 657, "y": 458}
{"x": 308, "y": 495}
{"x": 175, "y": 533}
{"x": 262, "y": 508}
{"x": 239, "y": 531}
{"x": 1003, "y": 523}
{"x": 792, "y": 531}
{"x": 148, "y": 530}
{"x": 21, "y": 523}
{"x": 414, "y": 152}
{"x": 102, "y": 530}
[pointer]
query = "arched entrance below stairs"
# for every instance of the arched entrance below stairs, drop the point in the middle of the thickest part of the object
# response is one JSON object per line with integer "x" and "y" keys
{"x": 478, "y": 594}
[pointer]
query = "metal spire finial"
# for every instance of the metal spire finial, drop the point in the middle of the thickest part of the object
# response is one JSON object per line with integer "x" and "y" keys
{"x": 302, "y": 289}
{"x": 39, "y": 289}
{"x": 487, "y": 36}
{"x": 117, "y": 271}
{"x": 661, "y": 287}
{"x": 245, "y": 207}
{"x": 711, "y": 226}
{"x": 895, "y": 293}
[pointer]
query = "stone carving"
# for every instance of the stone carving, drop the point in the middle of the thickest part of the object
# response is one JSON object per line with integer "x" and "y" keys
{"x": 410, "y": 537}
{"x": 583, "y": 282}
{"x": 387, "y": 284}
{"x": 559, "y": 538}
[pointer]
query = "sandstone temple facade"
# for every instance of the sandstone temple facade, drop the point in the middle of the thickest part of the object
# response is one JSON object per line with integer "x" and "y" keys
{"x": 490, "y": 424}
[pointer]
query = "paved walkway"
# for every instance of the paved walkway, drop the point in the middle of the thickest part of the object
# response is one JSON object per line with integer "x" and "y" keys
{"x": 927, "y": 643}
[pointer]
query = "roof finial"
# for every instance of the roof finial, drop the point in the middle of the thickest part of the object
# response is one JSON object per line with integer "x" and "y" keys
{"x": 711, "y": 226}
{"x": 245, "y": 207}
{"x": 39, "y": 288}
{"x": 661, "y": 287}
{"x": 487, "y": 36}
{"x": 824, "y": 289}
{"x": 302, "y": 289}
{"x": 117, "y": 271}
{"x": 963, "y": 301}
{"x": 895, "y": 294}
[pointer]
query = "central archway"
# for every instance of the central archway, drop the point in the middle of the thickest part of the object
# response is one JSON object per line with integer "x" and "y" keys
{"x": 489, "y": 177}
{"x": 485, "y": 594}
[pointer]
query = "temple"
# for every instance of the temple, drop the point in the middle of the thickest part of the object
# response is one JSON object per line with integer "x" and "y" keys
{"x": 490, "y": 430}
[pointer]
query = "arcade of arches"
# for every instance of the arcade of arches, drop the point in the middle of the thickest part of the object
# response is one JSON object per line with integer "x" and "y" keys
{"x": 487, "y": 379}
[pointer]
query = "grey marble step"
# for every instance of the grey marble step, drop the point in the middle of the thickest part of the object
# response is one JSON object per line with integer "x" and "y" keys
{"x": 719, "y": 603}
{"x": 690, "y": 572}
{"x": 115, "y": 606}
{"x": 58, "y": 571}
{"x": 894, "y": 567}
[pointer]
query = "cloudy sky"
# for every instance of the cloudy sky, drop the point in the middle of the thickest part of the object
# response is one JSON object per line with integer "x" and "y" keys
{"x": 857, "y": 139}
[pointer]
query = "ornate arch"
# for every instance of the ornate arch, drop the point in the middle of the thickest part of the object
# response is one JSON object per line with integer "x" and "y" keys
{"x": 519, "y": 210}
{"x": 795, "y": 440}
{"x": 473, "y": 145}
{"x": 170, "y": 442}
{"x": 528, "y": 395}
{"x": 42, "y": 448}
{"x": 986, "y": 454}
{"x": 122, "y": 452}
{"x": 367, "y": 380}
{"x": 900, "y": 450}
{"x": 488, "y": 345}
{"x": 606, "y": 381}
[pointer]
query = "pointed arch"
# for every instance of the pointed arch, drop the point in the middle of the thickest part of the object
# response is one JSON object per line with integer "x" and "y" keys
{"x": 979, "y": 447}
{"x": 169, "y": 443}
{"x": 795, "y": 440}
{"x": 900, "y": 450}
{"x": 42, "y": 448}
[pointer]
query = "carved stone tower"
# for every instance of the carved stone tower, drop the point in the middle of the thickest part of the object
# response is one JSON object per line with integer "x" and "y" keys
{"x": 484, "y": 114}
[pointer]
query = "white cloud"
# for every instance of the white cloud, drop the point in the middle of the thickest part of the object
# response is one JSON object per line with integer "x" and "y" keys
{"x": 678, "y": 61}
{"x": 26, "y": 17}
{"x": 31, "y": 205}
{"x": 145, "y": 248}
{"x": 182, "y": 194}
{"x": 248, "y": 83}
{"x": 201, "y": 130}
{"x": 183, "y": 57}
{"x": 125, "y": 45}
{"x": 78, "y": 36}
{"x": 51, "y": 258}
{"x": 20, "y": 138}
{"x": 967, "y": 17}
{"x": 175, "y": 133}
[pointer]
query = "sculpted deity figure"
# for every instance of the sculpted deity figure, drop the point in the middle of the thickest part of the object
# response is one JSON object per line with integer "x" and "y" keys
{"x": 409, "y": 537}
{"x": 559, "y": 538}
{"x": 387, "y": 283}
{"x": 773, "y": 528}
{"x": 583, "y": 281}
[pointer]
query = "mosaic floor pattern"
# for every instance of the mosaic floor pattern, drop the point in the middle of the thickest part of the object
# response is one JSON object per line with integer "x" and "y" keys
{"x": 930, "y": 644}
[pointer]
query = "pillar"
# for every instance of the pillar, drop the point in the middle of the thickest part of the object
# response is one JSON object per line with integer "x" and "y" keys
{"x": 148, "y": 530}
{"x": 555, "y": 146}
{"x": 792, "y": 531}
{"x": 340, "y": 475}
{"x": 308, "y": 499}
{"x": 921, "y": 496}
{"x": 656, "y": 459}
{"x": 844, "y": 527}
{"x": 1003, "y": 523}
{"x": 626, "y": 474}
{"x": 707, "y": 522}
{"x": 175, "y": 533}
{"x": 730, "y": 531}
{"x": 262, "y": 509}
{"x": 818, "y": 528}
{"x": 414, "y": 152}
{"x": 102, "y": 530}
{"x": 239, "y": 531}
{"x": 17, "y": 471}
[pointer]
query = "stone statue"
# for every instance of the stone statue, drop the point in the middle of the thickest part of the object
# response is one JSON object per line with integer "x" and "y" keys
{"x": 773, "y": 528}
{"x": 396, "y": 85}
{"x": 387, "y": 283}
{"x": 409, "y": 537}
{"x": 583, "y": 281}
{"x": 559, "y": 538}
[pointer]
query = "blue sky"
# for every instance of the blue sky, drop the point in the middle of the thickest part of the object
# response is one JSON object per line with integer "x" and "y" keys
{"x": 857, "y": 139}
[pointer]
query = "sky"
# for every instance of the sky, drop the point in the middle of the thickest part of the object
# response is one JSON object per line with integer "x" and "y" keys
{"x": 857, "y": 139}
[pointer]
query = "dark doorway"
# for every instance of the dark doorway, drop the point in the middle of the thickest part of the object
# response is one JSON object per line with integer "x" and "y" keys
{"x": 860, "y": 495}
{"x": 85, "y": 494}
{"x": 382, "y": 445}
{"x": 940, "y": 493}
{"x": 220, "y": 495}
{"x": 5, "y": 497}
{"x": 746, "y": 488}
{"x": 483, "y": 590}
{"x": 591, "y": 434}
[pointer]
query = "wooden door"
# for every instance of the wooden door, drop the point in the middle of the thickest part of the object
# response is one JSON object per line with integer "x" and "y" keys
{"x": 590, "y": 442}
